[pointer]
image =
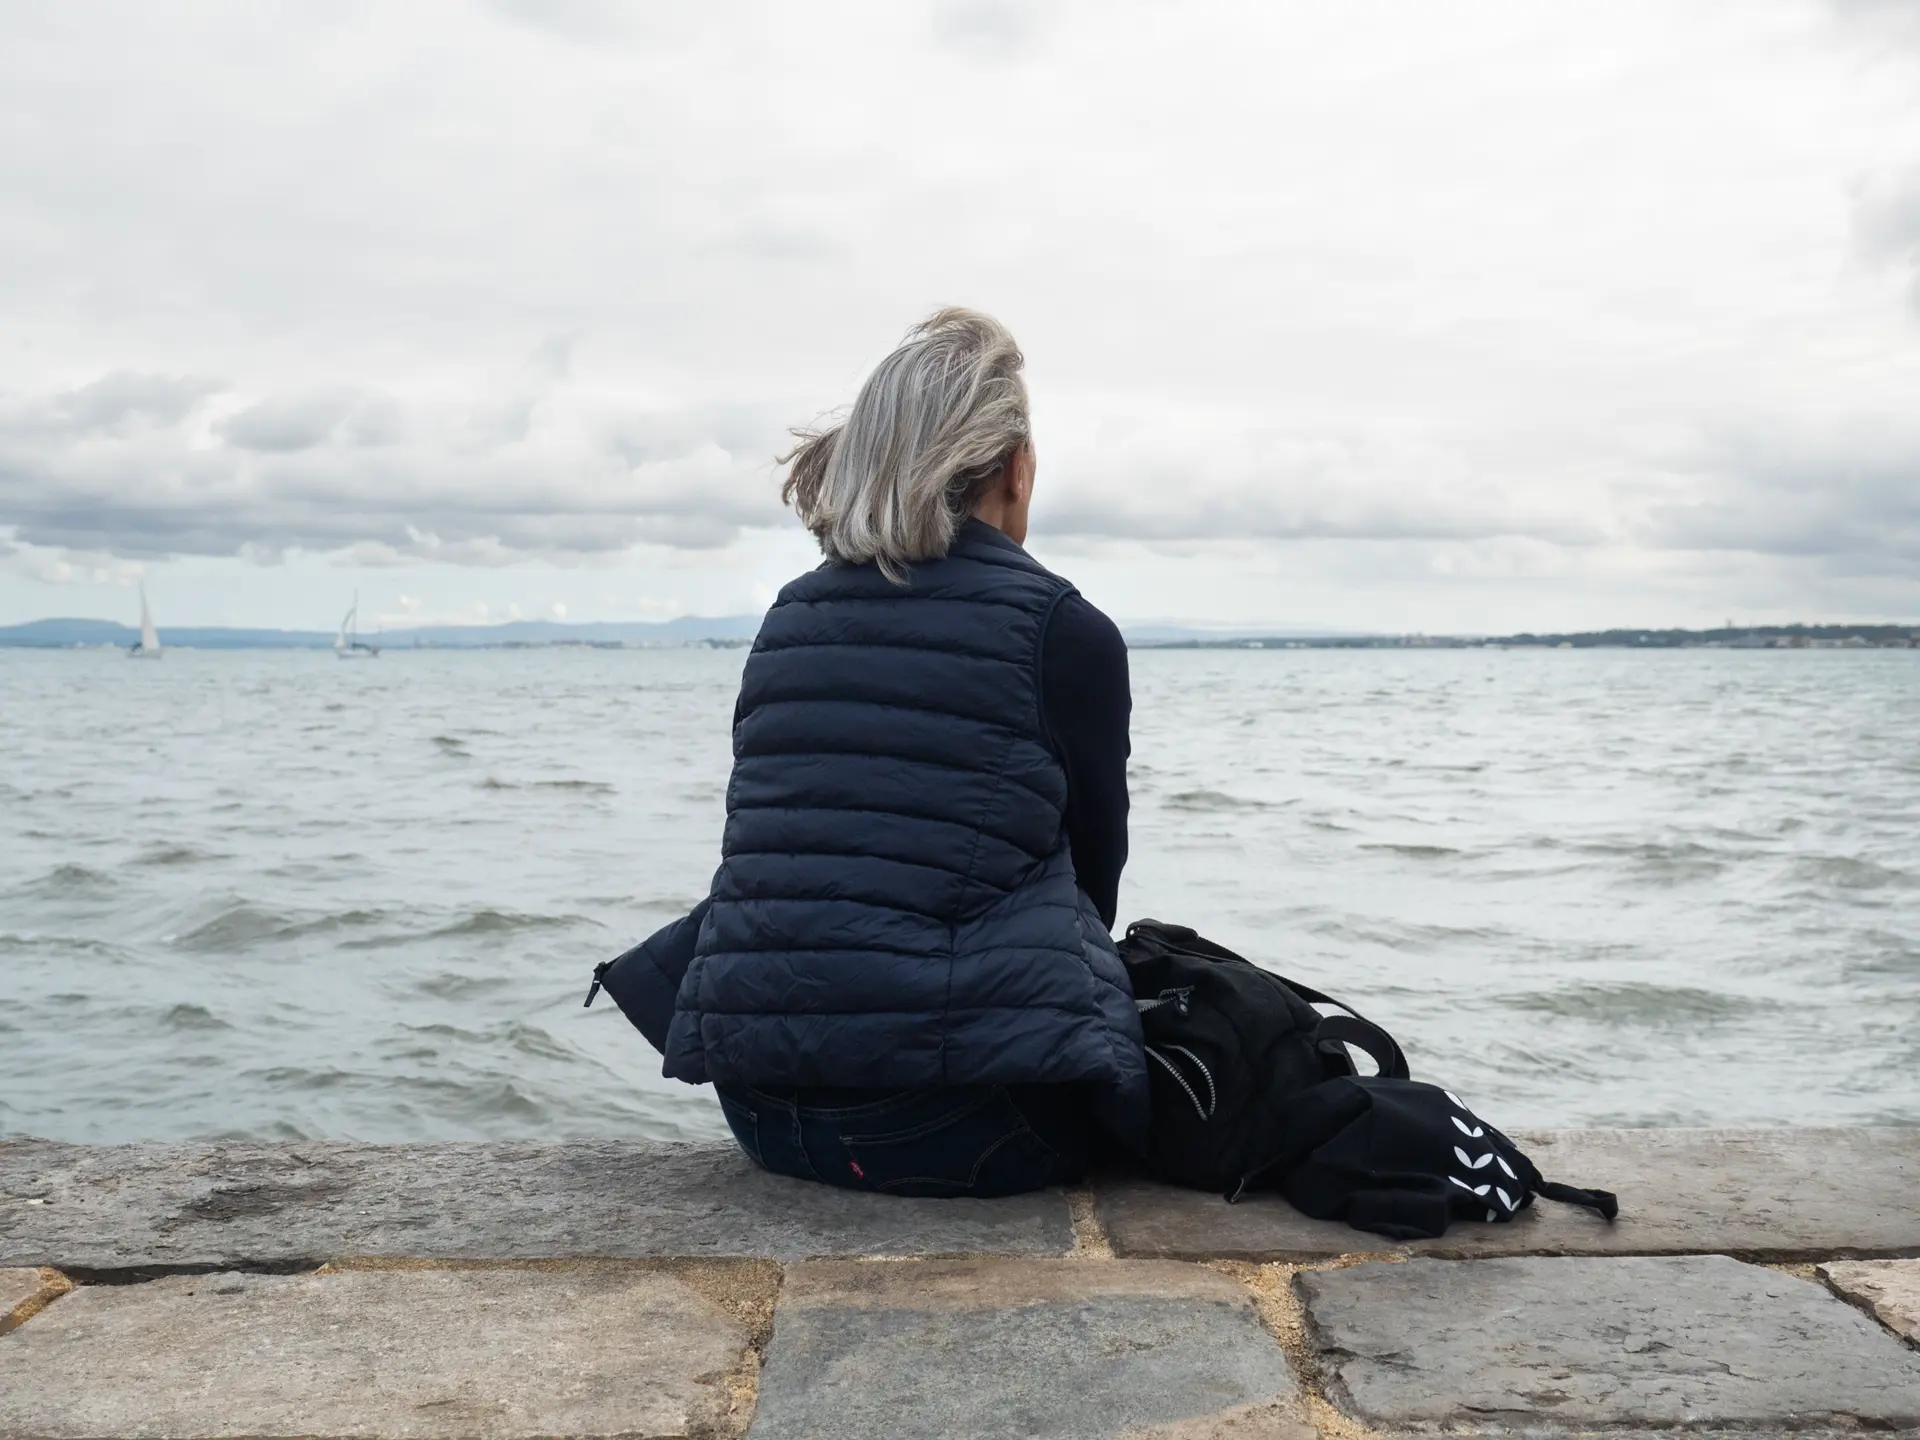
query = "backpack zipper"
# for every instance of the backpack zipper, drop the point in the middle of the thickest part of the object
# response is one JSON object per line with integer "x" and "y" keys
{"x": 1181, "y": 1081}
{"x": 1180, "y": 997}
{"x": 1213, "y": 1095}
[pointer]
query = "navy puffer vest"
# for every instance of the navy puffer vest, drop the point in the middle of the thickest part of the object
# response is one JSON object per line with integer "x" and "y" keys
{"x": 896, "y": 904}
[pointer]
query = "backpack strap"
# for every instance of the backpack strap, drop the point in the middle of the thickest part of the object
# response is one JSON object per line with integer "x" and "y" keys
{"x": 1335, "y": 1031}
{"x": 1605, "y": 1201}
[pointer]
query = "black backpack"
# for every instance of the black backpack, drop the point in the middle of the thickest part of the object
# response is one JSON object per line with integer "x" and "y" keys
{"x": 1229, "y": 1047}
{"x": 1252, "y": 1088}
{"x": 1405, "y": 1159}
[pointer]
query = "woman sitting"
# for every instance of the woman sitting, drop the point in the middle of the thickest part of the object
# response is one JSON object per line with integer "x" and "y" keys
{"x": 903, "y": 978}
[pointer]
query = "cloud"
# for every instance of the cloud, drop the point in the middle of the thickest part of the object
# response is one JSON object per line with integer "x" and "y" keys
{"x": 287, "y": 423}
{"x": 585, "y": 22}
{"x": 1892, "y": 21}
{"x": 115, "y": 404}
{"x": 382, "y": 482}
{"x": 1206, "y": 478}
{"x": 1840, "y": 492}
{"x": 468, "y": 482}
{"x": 990, "y": 30}
{"x": 1887, "y": 225}
{"x": 69, "y": 567}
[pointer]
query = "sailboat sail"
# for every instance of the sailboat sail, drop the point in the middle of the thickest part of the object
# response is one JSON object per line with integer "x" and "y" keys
{"x": 347, "y": 644}
{"x": 149, "y": 637}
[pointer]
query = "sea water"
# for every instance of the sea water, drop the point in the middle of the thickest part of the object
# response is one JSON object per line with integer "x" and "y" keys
{"x": 269, "y": 895}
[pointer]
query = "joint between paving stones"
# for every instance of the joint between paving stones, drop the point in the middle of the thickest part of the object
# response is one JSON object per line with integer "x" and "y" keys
{"x": 110, "y": 1275}
{"x": 1865, "y": 1303}
{"x": 52, "y": 1286}
{"x": 1090, "y": 1240}
{"x": 1284, "y": 1314}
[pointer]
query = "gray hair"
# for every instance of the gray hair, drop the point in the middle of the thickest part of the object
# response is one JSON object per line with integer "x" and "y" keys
{"x": 931, "y": 428}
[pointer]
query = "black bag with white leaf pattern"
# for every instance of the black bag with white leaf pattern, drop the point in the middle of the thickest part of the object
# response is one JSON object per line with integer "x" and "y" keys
{"x": 1229, "y": 1048}
{"x": 1404, "y": 1159}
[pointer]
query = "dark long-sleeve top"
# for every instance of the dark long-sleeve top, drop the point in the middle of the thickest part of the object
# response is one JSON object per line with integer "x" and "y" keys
{"x": 1087, "y": 703}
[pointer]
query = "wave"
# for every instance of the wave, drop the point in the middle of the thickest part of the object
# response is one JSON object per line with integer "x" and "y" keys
{"x": 507, "y": 922}
{"x": 1669, "y": 862}
{"x": 1638, "y": 1003}
{"x": 1407, "y": 935}
{"x": 449, "y": 985}
{"x": 1846, "y": 872}
{"x": 242, "y": 927}
{"x": 479, "y": 1099}
{"x": 193, "y": 1017}
{"x": 480, "y": 924}
{"x": 173, "y": 855}
{"x": 71, "y": 878}
{"x": 1413, "y": 852}
{"x": 1213, "y": 801}
{"x": 452, "y": 745}
{"x": 59, "y": 944}
{"x": 517, "y": 1035}
{"x": 584, "y": 787}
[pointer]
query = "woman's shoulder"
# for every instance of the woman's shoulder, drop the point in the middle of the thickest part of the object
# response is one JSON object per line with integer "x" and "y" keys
{"x": 1080, "y": 628}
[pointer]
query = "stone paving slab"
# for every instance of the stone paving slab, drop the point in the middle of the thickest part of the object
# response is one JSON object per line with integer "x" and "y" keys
{"x": 1889, "y": 1290}
{"x": 1764, "y": 1194}
{"x": 1068, "y": 1350}
{"x": 97, "y": 1209}
{"x": 1570, "y": 1343}
{"x": 496, "y": 1353}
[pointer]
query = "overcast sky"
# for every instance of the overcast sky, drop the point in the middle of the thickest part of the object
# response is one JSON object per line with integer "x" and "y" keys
{"x": 1457, "y": 315}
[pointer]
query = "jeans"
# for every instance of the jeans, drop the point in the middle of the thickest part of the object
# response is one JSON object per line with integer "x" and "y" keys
{"x": 973, "y": 1140}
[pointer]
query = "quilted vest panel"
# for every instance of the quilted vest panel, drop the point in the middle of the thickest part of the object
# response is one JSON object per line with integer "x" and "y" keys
{"x": 895, "y": 904}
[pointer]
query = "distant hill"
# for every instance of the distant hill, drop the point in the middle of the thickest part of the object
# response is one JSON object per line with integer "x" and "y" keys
{"x": 1192, "y": 635}
{"x": 691, "y": 630}
{"x": 63, "y": 634}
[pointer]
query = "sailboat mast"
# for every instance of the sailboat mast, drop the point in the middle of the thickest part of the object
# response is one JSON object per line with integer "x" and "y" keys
{"x": 149, "y": 637}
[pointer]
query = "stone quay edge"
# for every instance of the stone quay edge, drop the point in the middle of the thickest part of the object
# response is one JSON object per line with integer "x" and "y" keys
{"x": 1757, "y": 1284}
{"x": 1773, "y": 1195}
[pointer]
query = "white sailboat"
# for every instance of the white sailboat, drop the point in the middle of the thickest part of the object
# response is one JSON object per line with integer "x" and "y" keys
{"x": 149, "y": 646}
{"x": 347, "y": 644}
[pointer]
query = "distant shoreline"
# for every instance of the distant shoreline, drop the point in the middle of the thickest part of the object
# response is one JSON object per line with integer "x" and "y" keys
{"x": 732, "y": 632}
{"x": 1758, "y": 637}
